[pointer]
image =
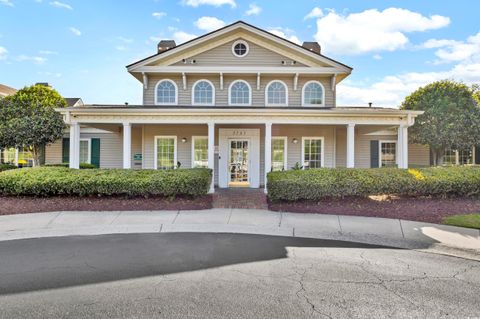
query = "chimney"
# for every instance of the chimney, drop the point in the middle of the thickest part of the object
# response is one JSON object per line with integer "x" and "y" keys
{"x": 370, "y": 104}
{"x": 165, "y": 45}
{"x": 312, "y": 46}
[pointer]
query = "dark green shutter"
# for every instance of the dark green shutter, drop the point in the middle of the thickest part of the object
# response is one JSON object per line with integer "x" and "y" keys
{"x": 65, "y": 150}
{"x": 374, "y": 154}
{"x": 95, "y": 152}
{"x": 477, "y": 154}
{"x": 42, "y": 155}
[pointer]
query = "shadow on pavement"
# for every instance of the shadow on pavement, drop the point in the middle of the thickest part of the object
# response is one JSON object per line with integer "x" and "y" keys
{"x": 47, "y": 263}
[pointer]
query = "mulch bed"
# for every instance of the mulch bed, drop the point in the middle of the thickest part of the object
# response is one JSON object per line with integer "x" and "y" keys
{"x": 22, "y": 205}
{"x": 431, "y": 210}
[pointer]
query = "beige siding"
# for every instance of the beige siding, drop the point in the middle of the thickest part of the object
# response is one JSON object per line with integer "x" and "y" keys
{"x": 341, "y": 147}
{"x": 111, "y": 149}
{"x": 223, "y": 56}
{"x": 221, "y": 96}
{"x": 137, "y": 146}
{"x": 418, "y": 155}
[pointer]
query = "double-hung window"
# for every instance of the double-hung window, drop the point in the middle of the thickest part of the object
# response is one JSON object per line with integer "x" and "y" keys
{"x": 200, "y": 151}
{"x": 166, "y": 152}
{"x": 85, "y": 151}
{"x": 388, "y": 152}
{"x": 279, "y": 153}
{"x": 312, "y": 152}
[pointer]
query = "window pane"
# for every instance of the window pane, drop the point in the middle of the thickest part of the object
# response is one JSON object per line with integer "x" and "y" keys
{"x": 312, "y": 153}
{"x": 165, "y": 153}
{"x": 278, "y": 154}
{"x": 388, "y": 153}
{"x": 200, "y": 152}
{"x": 313, "y": 94}
{"x": 166, "y": 93}
{"x": 240, "y": 93}
{"x": 9, "y": 156}
{"x": 450, "y": 157}
{"x": 25, "y": 157}
{"x": 276, "y": 93}
{"x": 203, "y": 93}
{"x": 465, "y": 157}
{"x": 84, "y": 158}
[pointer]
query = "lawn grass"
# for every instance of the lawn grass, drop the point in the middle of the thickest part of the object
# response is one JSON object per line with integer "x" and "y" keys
{"x": 470, "y": 220}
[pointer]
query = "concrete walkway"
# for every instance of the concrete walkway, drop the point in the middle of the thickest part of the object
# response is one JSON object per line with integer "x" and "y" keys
{"x": 391, "y": 232}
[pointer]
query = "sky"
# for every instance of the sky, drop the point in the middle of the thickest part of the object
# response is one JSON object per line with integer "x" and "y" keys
{"x": 81, "y": 47}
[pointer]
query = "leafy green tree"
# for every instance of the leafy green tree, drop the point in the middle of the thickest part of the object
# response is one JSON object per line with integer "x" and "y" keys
{"x": 451, "y": 118}
{"x": 28, "y": 119}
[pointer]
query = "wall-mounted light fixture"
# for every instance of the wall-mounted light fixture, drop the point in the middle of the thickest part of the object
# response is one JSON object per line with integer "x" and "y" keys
{"x": 295, "y": 140}
{"x": 184, "y": 139}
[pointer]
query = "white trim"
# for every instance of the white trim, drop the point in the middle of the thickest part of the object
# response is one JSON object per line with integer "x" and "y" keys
{"x": 195, "y": 137}
{"x": 240, "y": 42}
{"x": 176, "y": 92}
{"x": 199, "y": 69}
{"x": 350, "y": 145}
{"x": 285, "y": 150}
{"x": 89, "y": 140}
{"x": 286, "y": 93}
{"x": 213, "y": 93}
{"x": 380, "y": 142}
{"x": 322, "y": 158}
{"x": 230, "y": 94}
{"x": 155, "y": 154}
{"x": 303, "y": 94}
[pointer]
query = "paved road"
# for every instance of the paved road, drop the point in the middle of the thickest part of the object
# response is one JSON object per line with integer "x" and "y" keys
{"x": 193, "y": 275}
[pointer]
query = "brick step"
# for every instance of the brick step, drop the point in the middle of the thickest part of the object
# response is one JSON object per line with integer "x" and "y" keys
{"x": 250, "y": 198}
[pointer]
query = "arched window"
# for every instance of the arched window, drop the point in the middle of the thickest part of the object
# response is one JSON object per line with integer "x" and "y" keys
{"x": 313, "y": 94}
{"x": 240, "y": 93}
{"x": 166, "y": 93}
{"x": 203, "y": 93}
{"x": 276, "y": 93}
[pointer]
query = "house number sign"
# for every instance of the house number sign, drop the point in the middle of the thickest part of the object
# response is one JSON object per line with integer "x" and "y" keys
{"x": 239, "y": 133}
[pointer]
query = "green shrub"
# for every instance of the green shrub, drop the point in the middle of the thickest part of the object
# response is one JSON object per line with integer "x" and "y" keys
{"x": 82, "y": 165}
{"x": 49, "y": 181}
{"x": 6, "y": 167}
{"x": 317, "y": 184}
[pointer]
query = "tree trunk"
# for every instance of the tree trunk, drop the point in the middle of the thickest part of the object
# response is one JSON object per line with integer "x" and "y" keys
{"x": 36, "y": 155}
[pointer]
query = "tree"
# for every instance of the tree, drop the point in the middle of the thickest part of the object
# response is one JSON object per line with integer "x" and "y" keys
{"x": 451, "y": 119}
{"x": 28, "y": 119}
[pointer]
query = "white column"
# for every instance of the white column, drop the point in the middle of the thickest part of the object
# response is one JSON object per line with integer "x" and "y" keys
{"x": 74, "y": 146}
{"x": 351, "y": 146}
{"x": 268, "y": 151}
{"x": 211, "y": 153}
{"x": 127, "y": 145}
{"x": 405, "y": 146}
{"x": 399, "y": 147}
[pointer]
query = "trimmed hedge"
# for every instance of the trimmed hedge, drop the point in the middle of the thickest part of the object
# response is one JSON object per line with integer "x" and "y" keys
{"x": 6, "y": 167}
{"x": 82, "y": 165}
{"x": 317, "y": 184}
{"x": 50, "y": 181}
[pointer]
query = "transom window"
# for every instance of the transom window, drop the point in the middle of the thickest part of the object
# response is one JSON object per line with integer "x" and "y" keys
{"x": 200, "y": 151}
{"x": 166, "y": 150}
{"x": 313, "y": 94}
{"x": 85, "y": 151}
{"x": 203, "y": 93}
{"x": 166, "y": 92}
{"x": 240, "y": 93}
{"x": 388, "y": 151}
{"x": 279, "y": 153}
{"x": 240, "y": 48}
{"x": 276, "y": 93}
{"x": 312, "y": 150}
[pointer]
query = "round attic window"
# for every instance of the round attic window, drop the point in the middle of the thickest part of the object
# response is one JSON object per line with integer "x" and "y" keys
{"x": 240, "y": 48}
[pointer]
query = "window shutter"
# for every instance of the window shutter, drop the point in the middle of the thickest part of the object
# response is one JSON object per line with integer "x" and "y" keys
{"x": 95, "y": 152}
{"x": 66, "y": 150}
{"x": 477, "y": 154}
{"x": 42, "y": 155}
{"x": 374, "y": 154}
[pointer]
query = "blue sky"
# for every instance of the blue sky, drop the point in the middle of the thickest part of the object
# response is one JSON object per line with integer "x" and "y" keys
{"x": 81, "y": 47}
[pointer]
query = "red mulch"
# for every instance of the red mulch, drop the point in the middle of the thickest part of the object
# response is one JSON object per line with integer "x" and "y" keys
{"x": 22, "y": 205}
{"x": 431, "y": 210}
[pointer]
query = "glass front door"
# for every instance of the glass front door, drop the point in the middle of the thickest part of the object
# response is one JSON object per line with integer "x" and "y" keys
{"x": 238, "y": 163}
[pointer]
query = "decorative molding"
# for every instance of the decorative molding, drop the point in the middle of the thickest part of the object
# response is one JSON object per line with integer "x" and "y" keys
{"x": 184, "y": 80}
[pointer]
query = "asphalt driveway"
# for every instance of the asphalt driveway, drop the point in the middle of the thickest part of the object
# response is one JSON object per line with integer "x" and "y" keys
{"x": 201, "y": 275}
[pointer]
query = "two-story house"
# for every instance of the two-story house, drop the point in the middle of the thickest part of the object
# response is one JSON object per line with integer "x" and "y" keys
{"x": 242, "y": 102}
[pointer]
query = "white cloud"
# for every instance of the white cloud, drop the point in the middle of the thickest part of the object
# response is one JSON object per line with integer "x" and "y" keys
{"x": 181, "y": 37}
{"x": 377, "y": 57}
{"x": 454, "y": 51}
{"x": 125, "y": 40}
{"x": 47, "y": 52}
{"x": 6, "y": 3}
{"x": 215, "y": 3}
{"x": 372, "y": 30}
{"x": 3, "y": 53}
{"x": 75, "y": 31}
{"x": 315, "y": 13}
{"x": 34, "y": 59}
{"x": 286, "y": 34}
{"x": 209, "y": 23}
{"x": 61, "y": 5}
{"x": 159, "y": 15}
{"x": 121, "y": 48}
{"x": 253, "y": 10}
{"x": 51, "y": 74}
